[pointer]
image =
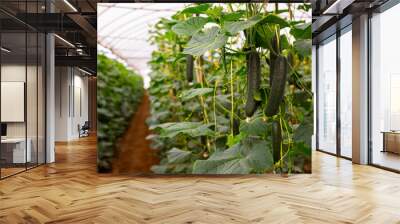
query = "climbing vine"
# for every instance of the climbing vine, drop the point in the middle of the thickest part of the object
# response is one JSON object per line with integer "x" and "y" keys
{"x": 230, "y": 90}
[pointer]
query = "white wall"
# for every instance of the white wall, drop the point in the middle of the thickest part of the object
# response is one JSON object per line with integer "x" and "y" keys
{"x": 71, "y": 94}
{"x": 12, "y": 73}
{"x": 61, "y": 103}
{"x": 33, "y": 127}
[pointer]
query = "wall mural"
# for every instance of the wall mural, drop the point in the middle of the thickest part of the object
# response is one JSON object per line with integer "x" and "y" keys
{"x": 229, "y": 93}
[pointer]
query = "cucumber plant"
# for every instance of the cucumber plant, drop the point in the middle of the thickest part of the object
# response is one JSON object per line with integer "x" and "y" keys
{"x": 231, "y": 90}
{"x": 119, "y": 92}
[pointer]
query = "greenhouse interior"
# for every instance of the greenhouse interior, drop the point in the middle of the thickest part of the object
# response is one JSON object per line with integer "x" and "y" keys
{"x": 215, "y": 88}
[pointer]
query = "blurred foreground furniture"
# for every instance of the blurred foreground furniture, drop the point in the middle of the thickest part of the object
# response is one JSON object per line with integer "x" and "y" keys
{"x": 84, "y": 130}
{"x": 13, "y": 151}
{"x": 391, "y": 141}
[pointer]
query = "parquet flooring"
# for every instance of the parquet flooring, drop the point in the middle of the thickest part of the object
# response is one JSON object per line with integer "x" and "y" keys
{"x": 70, "y": 191}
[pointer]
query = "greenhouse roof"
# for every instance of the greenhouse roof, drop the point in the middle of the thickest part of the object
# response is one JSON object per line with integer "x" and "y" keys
{"x": 123, "y": 30}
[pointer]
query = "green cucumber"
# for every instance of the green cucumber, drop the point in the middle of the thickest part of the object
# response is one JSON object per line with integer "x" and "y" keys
{"x": 253, "y": 82}
{"x": 276, "y": 50}
{"x": 273, "y": 54}
{"x": 278, "y": 72}
{"x": 189, "y": 67}
{"x": 276, "y": 140}
{"x": 236, "y": 123}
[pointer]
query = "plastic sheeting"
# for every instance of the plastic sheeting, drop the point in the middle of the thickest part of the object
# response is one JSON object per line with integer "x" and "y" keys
{"x": 123, "y": 30}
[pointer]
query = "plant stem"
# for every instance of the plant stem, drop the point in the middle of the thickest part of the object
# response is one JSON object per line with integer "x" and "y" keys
{"x": 281, "y": 144}
{"x": 215, "y": 112}
{"x": 200, "y": 77}
{"x": 232, "y": 101}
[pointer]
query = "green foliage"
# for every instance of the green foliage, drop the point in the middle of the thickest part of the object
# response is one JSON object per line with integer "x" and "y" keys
{"x": 251, "y": 155}
{"x": 301, "y": 31}
{"x": 303, "y": 47}
{"x": 196, "y": 9}
{"x": 119, "y": 92}
{"x": 191, "y": 93}
{"x": 192, "y": 129}
{"x": 200, "y": 126}
{"x": 201, "y": 42}
{"x": 304, "y": 131}
{"x": 190, "y": 26}
{"x": 275, "y": 19}
{"x": 233, "y": 27}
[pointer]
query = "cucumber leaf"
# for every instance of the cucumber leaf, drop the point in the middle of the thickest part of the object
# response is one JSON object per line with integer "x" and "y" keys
{"x": 196, "y": 9}
{"x": 303, "y": 47}
{"x": 201, "y": 42}
{"x": 251, "y": 155}
{"x": 301, "y": 31}
{"x": 192, "y": 129}
{"x": 176, "y": 155}
{"x": 305, "y": 130}
{"x": 274, "y": 19}
{"x": 264, "y": 35}
{"x": 255, "y": 127}
{"x": 233, "y": 16}
{"x": 189, "y": 26}
{"x": 237, "y": 26}
{"x": 215, "y": 12}
{"x": 191, "y": 93}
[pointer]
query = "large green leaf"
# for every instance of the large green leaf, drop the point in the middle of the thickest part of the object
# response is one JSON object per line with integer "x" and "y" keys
{"x": 237, "y": 26}
{"x": 176, "y": 155}
{"x": 274, "y": 19}
{"x": 193, "y": 129}
{"x": 196, "y": 9}
{"x": 224, "y": 101}
{"x": 222, "y": 162}
{"x": 303, "y": 46}
{"x": 189, "y": 26}
{"x": 250, "y": 156}
{"x": 258, "y": 154}
{"x": 255, "y": 127}
{"x": 215, "y": 12}
{"x": 201, "y": 42}
{"x": 264, "y": 35}
{"x": 301, "y": 31}
{"x": 159, "y": 169}
{"x": 233, "y": 16}
{"x": 191, "y": 93}
{"x": 304, "y": 132}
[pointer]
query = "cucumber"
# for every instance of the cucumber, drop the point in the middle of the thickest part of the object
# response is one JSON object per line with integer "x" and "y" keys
{"x": 276, "y": 50}
{"x": 276, "y": 140}
{"x": 253, "y": 82}
{"x": 273, "y": 54}
{"x": 189, "y": 67}
{"x": 278, "y": 72}
{"x": 236, "y": 123}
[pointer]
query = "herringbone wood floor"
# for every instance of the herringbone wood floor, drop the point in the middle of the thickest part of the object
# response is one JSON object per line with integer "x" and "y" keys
{"x": 70, "y": 191}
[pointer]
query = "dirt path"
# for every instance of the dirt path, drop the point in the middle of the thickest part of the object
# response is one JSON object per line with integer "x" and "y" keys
{"x": 135, "y": 154}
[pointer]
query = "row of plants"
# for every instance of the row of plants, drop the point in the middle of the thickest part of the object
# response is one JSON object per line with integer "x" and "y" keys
{"x": 119, "y": 91}
{"x": 231, "y": 90}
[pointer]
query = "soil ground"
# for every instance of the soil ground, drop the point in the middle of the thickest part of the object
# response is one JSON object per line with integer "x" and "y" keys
{"x": 135, "y": 155}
